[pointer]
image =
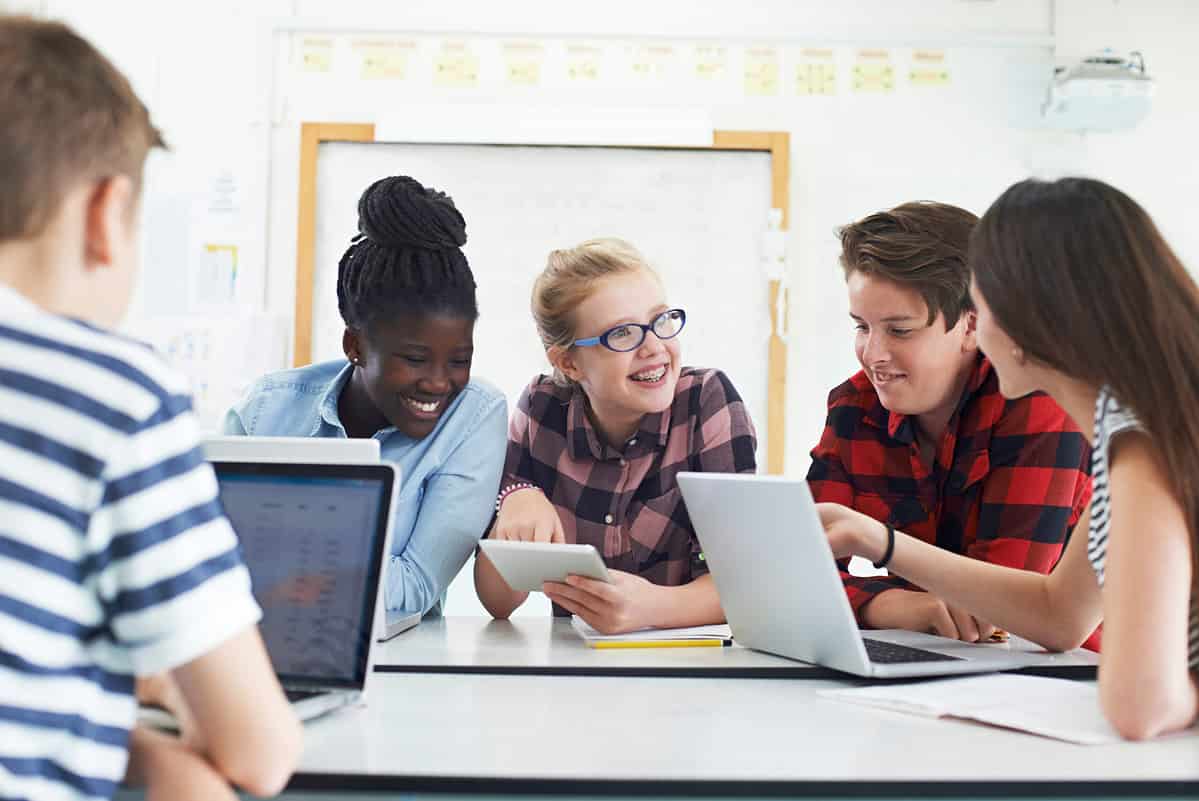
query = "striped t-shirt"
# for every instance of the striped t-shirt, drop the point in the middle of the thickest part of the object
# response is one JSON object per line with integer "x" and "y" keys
{"x": 115, "y": 557}
{"x": 1112, "y": 419}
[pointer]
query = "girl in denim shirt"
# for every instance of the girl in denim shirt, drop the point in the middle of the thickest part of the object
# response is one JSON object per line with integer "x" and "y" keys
{"x": 407, "y": 296}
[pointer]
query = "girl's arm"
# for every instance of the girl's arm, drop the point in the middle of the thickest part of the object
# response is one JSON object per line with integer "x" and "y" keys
{"x": 526, "y": 515}
{"x": 454, "y": 512}
{"x": 1144, "y": 685}
{"x": 1057, "y": 611}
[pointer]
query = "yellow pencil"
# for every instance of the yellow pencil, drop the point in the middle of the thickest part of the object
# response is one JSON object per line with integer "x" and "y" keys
{"x": 717, "y": 643}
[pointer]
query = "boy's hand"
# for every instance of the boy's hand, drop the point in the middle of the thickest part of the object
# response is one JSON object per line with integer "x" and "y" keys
{"x": 162, "y": 691}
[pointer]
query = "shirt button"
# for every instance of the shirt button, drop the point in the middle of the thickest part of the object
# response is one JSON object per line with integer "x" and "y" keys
{"x": 608, "y": 519}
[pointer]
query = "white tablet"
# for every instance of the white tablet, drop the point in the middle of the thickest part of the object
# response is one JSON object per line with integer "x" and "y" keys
{"x": 526, "y": 565}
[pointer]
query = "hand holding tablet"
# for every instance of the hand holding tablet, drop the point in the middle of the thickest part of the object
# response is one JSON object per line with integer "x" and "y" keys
{"x": 525, "y": 566}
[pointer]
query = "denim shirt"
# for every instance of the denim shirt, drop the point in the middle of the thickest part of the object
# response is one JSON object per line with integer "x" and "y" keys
{"x": 449, "y": 478}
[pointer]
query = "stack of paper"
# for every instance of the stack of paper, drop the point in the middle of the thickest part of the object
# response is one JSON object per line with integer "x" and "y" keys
{"x": 1058, "y": 708}
{"x": 719, "y": 634}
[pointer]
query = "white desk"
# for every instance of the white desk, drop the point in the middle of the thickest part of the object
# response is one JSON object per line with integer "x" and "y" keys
{"x": 648, "y": 736}
{"x": 547, "y": 646}
{"x": 461, "y": 721}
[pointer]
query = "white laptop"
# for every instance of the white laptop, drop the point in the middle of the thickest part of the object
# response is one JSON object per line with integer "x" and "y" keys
{"x": 315, "y": 538}
{"x": 326, "y": 450}
{"x": 782, "y": 592}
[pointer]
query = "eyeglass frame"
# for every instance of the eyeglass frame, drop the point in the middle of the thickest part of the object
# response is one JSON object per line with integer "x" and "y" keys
{"x": 646, "y": 329}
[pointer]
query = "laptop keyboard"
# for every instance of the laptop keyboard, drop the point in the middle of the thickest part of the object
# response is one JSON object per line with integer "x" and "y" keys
{"x": 888, "y": 653}
{"x": 300, "y": 695}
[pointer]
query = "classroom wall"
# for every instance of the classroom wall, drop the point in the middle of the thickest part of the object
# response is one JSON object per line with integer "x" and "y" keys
{"x": 218, "y": 87}
{"x": 222, "y": 82}
{"x": 851, "y": 153}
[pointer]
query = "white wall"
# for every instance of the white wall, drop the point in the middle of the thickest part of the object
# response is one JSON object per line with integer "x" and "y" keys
{"x": 225, "y": 92}
{"x": 851, "y": 154}
{"x": 1156, "y": 162}
{"x": 223, "y": 99}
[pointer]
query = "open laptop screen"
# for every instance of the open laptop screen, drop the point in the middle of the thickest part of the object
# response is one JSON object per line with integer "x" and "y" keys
{"x": 312, "y": 537}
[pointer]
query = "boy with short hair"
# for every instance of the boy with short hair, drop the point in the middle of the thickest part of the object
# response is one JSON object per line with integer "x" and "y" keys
{"x": 921, "y": 437}
{"x": 116, "y": 560}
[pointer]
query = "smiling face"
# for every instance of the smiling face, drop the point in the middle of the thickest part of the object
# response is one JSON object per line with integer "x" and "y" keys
{"x": 916, "y": 367}
{"x": 412, "y": 368}
{"x": 623, "y": 387}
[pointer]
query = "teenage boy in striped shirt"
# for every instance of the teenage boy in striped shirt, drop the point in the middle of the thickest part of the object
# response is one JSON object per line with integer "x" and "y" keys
{"x": 115, "y": 558}
{"x": 922, "y": 439}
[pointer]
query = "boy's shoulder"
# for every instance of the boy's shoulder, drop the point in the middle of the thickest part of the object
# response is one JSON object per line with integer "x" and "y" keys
{"x": 116, "y": 371}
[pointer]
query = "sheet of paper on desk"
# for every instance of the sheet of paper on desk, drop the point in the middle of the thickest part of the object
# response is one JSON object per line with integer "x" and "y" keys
{"x": 1058, "y": 708}
{"x": 719, "y": 631}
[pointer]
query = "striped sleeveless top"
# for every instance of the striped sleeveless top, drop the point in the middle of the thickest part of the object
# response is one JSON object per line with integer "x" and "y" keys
{"x": 1110, "y": 420}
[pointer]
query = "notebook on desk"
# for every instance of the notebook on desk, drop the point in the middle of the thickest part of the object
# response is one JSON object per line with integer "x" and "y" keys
{"x": 716, "y": 634}
{"x": 1058, "y": 708}
{"x": 782, "y": 593}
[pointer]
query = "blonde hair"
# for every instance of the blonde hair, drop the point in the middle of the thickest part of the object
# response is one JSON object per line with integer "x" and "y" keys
{"x": 569, "y": 277}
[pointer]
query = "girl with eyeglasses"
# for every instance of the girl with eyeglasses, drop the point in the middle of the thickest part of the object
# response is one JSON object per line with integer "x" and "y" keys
{"x": 593, "y": 450}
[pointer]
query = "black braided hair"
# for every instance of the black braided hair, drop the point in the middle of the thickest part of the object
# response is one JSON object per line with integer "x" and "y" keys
{"x": 406, "y": 258}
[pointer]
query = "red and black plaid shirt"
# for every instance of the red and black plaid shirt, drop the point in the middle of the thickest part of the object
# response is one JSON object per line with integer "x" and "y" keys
{"x": 1008, "y": 482}
{"x": 625, "y": 500}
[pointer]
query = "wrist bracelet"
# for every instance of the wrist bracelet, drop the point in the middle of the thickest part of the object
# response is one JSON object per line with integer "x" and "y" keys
{"x": 511, "y": 488}
{"x": 881, "y": 563}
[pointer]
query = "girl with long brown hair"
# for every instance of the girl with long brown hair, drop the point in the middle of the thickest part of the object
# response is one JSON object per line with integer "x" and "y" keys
{"x": 1079, "y": 295}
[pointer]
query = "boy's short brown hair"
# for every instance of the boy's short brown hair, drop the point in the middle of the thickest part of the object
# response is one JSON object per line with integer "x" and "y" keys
{"x": 66, "y": 115}
{"x": 922, "y": 246}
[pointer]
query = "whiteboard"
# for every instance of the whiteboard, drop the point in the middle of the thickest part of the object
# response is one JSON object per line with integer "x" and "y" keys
{"x": 697, "y": 215}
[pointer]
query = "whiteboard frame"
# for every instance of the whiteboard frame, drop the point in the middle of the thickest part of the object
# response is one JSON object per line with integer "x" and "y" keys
{"x": 776, "y": 143}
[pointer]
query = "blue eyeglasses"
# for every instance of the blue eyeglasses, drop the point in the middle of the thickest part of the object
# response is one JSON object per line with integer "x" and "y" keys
{"x": 629, "y": 336}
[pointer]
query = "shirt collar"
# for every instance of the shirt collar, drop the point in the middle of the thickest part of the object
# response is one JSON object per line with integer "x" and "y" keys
{"x": 583, "y": 440}
{"x": 328, "y": 405}
{"x": 328, "y": 402}
{"x": 902, "y": 428}
{"x": 13, "y": 301}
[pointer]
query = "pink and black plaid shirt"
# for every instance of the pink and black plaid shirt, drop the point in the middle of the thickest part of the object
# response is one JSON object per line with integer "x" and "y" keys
{"x": 626, "y": 501}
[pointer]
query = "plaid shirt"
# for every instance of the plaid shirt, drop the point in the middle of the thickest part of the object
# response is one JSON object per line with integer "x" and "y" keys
{"x": 1009, "y": 480}
{"x": 626, "y": 501}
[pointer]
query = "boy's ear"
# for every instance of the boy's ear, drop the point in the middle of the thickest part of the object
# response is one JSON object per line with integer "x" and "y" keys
{"x": 564, "y": 360}
{"x": 109, "y": 217}
{"x": 970, "y": 340}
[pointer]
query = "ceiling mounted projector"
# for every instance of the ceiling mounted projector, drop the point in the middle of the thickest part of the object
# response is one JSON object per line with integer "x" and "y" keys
{"x": 1104, "y": 92}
